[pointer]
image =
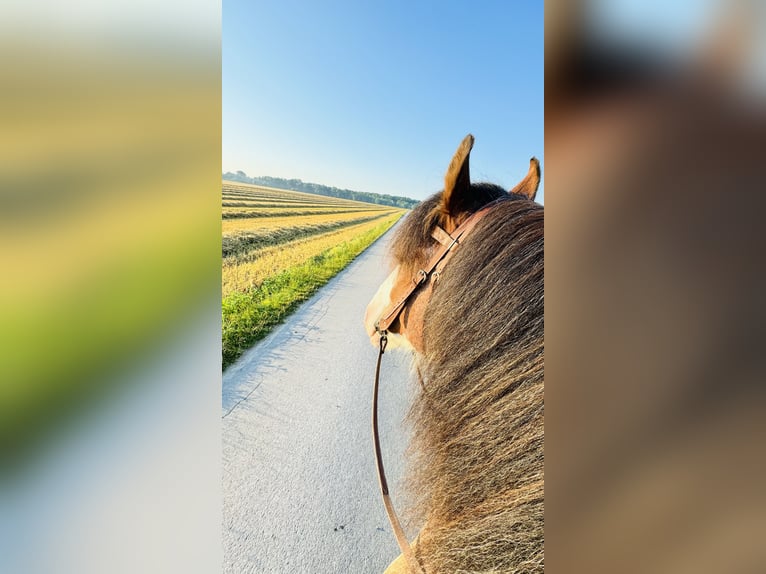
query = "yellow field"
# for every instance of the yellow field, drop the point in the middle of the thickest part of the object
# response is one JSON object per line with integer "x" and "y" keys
{"x": 255, "y": 192}
{"x": 266, "y": 223}
{"x": 278, "y": 247}
{"x": 273, "y": 230}
{"x": 260, "y": 212}
{"x": 271, "y": 260}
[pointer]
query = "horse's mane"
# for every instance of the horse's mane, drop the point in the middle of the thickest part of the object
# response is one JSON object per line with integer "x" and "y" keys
{"x": 477, "y": 473}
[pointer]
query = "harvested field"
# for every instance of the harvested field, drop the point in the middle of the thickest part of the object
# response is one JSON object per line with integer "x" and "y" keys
{"x": 252, "y": 224}
{"x": 278, "y": 247}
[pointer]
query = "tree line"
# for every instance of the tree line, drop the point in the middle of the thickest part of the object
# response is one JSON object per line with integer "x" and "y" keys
{"x": 319, "y": 189}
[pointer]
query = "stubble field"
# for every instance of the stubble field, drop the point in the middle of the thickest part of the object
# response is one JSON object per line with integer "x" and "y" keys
{"x": 279, "y": 247}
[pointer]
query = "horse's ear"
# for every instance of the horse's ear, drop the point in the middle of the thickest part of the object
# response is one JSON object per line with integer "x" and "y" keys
{"x": 528, "y": 186}
{"x": 457, "y": 181}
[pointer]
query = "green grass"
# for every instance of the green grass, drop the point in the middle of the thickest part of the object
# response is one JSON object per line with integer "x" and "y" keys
{"x": 249, "y": 316}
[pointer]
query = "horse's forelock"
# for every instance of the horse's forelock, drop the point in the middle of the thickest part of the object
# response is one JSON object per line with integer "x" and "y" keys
{"x": 412, "y": 243}
{"x": 413, "y": 238}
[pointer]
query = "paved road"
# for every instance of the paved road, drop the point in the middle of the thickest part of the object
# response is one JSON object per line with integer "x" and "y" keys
{"x": 300, "y": 491}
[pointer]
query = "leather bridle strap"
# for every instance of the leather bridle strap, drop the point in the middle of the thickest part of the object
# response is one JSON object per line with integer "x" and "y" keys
{"x": 401, "y": 538}
{"x": 447, "y": 242}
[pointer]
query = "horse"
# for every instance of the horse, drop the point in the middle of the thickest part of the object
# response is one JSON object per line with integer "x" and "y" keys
{"x": 475, "y": 323}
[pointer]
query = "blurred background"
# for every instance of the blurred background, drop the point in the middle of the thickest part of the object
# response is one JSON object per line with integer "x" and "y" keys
{"x": 110, "y": 290}
{"x": 655, "y": 136}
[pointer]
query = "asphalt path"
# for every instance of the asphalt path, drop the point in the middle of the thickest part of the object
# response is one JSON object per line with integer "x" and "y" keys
{"x": 300, "y": 491}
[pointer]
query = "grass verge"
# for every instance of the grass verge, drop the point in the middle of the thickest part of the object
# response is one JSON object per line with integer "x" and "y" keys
{"x": 249, "y": 316}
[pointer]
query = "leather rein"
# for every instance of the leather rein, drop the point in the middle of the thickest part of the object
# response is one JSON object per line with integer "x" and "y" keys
{"x": 448, "y": 242}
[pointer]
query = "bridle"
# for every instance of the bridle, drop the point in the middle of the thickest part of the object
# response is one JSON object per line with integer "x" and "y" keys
{"x": 447, "y": 244}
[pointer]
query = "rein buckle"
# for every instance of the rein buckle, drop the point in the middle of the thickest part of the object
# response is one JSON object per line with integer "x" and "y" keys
{"x": 383, "y": 336}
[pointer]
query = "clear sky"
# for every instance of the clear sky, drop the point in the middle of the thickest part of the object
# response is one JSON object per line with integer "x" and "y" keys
{"x": 377, "y": 96}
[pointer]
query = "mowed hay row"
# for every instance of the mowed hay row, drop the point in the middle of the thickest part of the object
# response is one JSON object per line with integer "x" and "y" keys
{"x": 256, "y": 224}
{"x": 313, "y": 200}
{"x": 258, "y": 213}
{"x": 241, "y": 243}
{"x": 292, "y": 202}
{"x": 293, "y": 197}
{"x": 244, "y": 190}
{"x": 265, "y": 202}
{"x": 302, "y": 198}
{"x": 270, "y": 261}
{"x": 247, "y": 188}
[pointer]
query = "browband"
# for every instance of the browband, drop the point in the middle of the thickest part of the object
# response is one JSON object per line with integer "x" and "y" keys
{"x": 443, "y": 253}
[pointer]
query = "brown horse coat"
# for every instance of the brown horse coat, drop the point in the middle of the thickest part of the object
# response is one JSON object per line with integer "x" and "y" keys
{"x": 477, "y": 472}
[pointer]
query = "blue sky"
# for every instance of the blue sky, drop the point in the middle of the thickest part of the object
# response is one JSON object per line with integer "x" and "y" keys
{"x": 377, "y": 96}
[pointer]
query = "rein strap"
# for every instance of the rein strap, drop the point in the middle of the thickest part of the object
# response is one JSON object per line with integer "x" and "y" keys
{"x": 401, "y": 538}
